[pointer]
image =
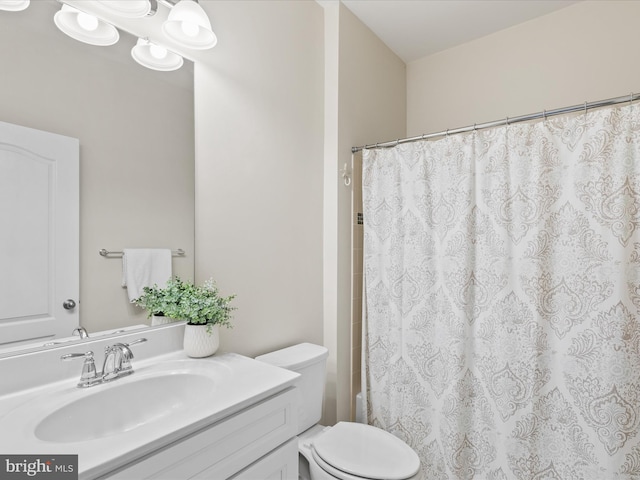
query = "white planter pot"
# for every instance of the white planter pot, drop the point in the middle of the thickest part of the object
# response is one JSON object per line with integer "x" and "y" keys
{"x": 198, "y": 342}
{"x": 160, "y": 320}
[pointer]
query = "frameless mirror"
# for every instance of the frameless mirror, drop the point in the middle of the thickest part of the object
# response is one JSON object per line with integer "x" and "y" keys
{"x": 135, "y": 128}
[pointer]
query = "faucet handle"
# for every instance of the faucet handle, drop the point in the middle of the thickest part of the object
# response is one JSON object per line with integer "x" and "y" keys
{"x": 89, "y": 376}
{"x": 135, "y": 342}
{"x": 71, "y": 356}
{"x": 123, "y": 351}
{"x": 127, "y": 354}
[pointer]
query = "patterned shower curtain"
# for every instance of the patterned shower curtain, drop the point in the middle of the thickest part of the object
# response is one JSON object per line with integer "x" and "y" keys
{"x": 502, "y": 284}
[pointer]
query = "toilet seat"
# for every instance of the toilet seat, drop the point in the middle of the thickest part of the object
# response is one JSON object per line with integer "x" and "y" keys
{"x": 351, "y": 451}
{"x": 333, "y": 472}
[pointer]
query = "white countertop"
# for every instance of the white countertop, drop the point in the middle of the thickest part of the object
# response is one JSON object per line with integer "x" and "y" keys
{"x": 239, "y": 382}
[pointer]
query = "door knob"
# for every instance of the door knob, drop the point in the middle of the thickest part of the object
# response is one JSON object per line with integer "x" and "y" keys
{"x": 69, "y": 304}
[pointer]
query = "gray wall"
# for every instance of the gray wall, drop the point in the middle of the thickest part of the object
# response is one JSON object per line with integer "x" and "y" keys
{"x": 259, "y": 147}
{"x": 576, "y": 54}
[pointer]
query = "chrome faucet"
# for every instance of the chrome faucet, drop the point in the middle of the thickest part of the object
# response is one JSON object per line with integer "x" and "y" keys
{"x": 80, "y": 332}
{"x": 77, "y": 332}
{"x": 117, "y": 363}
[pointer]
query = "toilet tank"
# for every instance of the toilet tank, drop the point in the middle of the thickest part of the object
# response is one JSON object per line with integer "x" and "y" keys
{"x": 309, "y": 361}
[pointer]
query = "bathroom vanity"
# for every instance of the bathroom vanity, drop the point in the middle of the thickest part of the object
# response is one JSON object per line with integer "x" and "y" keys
{"x": 226, "y": 416}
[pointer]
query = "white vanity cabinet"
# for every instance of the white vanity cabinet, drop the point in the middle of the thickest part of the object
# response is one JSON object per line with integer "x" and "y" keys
{"x": 256, "y": 443}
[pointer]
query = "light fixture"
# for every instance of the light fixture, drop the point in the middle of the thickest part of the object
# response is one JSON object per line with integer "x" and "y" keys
{"x": 13, "y": 5}
{"x": 128, "y": 8}
{"x": 84, "y": 27}
{"x": 189, "y": 26}
{"x": 154, "y": 56}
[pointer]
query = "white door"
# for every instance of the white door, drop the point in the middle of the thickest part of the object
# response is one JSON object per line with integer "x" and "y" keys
{"x": 39, "y": 234}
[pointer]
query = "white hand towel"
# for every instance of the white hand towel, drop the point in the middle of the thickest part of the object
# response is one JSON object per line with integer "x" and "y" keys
{"x": 145, "y": 267}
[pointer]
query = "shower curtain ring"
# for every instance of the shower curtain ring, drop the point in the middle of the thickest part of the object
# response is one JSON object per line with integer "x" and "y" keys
{"x": 585, "y": 108}
{"x": 507, "y": 120}
{"x": 544, "y": 115}
{"x": 447, "y": 132}
{"x": 474, "y": 127}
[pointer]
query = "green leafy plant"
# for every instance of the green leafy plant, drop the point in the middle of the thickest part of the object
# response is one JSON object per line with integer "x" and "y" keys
{"x": 162, "y": 301}
{"x": 203, "y": 305}
{"x": 183, "y": 300}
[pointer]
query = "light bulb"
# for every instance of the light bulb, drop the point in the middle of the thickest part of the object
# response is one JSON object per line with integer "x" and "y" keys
{"x": 189, "y": 28}
{"x": 85, "y": 28}
{"x": 155, "y": 56}
{"x": 14, "y": 5}
{"x": 157, "y": 51}
{"x": 87, "y": 22}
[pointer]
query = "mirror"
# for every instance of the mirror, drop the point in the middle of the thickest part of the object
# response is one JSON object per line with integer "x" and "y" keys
{"x": 136, "y": 132}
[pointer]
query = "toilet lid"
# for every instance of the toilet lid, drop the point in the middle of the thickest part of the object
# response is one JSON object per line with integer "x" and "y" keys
{"x": 366, "y": 451}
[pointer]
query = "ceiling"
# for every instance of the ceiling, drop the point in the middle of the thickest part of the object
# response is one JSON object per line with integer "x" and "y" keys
{"x": 411, "y": 28}
{"x": 416, "y": 28}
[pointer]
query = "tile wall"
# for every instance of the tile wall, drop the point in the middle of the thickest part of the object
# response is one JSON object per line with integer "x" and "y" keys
{"x": 356, "y": 279}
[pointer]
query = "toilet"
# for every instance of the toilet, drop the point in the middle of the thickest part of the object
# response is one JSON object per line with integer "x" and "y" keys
{"x": 348, "y": 450}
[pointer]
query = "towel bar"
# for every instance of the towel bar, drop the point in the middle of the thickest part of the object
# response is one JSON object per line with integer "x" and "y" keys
{"x": 105, "y": 253}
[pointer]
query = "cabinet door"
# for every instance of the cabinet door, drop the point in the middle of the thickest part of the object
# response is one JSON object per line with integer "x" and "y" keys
{"x": 224, "y": 448}
{"x": 281, "y": 464}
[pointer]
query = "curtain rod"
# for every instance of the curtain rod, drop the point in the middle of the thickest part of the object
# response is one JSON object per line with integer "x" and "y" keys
{"x": 506, "y": 121}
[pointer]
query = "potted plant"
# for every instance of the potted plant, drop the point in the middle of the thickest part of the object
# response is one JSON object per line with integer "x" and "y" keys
{"x": 162, "y": 303}
{"x": 202, "y": 306}
{"x": 205, "y": 310}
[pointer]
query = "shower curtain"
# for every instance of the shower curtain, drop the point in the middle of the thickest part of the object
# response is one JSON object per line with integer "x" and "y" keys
{"x": 502, "y": 297}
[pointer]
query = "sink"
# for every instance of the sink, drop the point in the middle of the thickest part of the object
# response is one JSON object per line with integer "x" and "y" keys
{"x": 124, "y": 407}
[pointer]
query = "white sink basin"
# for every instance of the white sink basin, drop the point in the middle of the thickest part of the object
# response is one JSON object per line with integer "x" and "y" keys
{"x": 125, "y": 406}
{"x": 150, "y": 396}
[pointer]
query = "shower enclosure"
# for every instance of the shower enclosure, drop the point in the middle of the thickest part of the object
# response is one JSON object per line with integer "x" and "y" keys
{"x": 502, "y": 298}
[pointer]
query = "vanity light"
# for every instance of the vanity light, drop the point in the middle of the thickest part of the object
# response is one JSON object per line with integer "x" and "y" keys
{"x": 189, "y": 26}
{"x": 84, "y": 27}
{"x": 128, "y": 8}
{"x": 155, "y": 56}
{"x": 13, "y": 5}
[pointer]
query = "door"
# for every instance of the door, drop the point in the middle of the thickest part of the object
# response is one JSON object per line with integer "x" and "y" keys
{"x": 39, "y": 234}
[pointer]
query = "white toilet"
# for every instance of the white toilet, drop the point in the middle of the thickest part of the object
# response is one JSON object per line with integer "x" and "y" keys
{"x": 346, "y": 451}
